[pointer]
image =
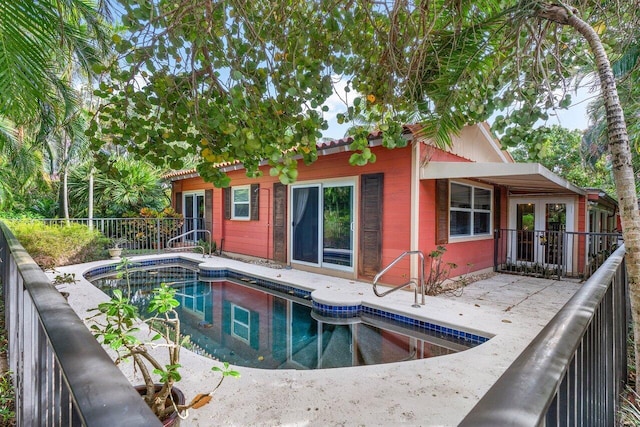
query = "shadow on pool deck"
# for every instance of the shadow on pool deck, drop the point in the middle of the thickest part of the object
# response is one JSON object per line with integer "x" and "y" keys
{"x": 428, "y": 392}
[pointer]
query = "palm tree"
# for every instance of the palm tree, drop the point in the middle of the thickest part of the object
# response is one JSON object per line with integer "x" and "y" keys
{"x": 35, "y": 36}
{"x": 124, "y": 188}
{"x": 45, "y": 47}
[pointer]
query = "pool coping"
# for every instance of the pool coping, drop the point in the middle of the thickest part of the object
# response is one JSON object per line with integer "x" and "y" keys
{"x": 329, "y": 305}
{"x": 436, "y": 391}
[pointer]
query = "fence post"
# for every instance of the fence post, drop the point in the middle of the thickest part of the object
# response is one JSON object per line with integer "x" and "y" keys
{"x": 158, "y": 221}
{"x": 496, "y": 238}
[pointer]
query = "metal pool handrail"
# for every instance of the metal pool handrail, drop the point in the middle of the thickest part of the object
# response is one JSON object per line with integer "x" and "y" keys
{"x": 173, "y": 239}
{"x": 412, "y": 281}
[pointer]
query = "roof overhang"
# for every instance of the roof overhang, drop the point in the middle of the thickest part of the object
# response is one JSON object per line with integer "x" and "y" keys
{"x": 517, "y": 177}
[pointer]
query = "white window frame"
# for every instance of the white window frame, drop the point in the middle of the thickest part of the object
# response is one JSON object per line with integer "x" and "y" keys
{"x": 235, "y": 322}
{"x": 234, "y": 203}
{"x": 472, "y": 210}
{"x": 333, "y": 182}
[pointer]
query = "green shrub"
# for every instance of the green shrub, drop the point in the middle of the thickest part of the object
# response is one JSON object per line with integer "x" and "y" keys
{"x": 56, "y": 245}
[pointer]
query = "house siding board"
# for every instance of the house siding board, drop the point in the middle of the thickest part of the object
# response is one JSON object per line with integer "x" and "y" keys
{"x": 470, "y": 255}
{"x": 396, "y": 217}
{"x": 250, "y": 237}
{"x": 208, "y": 210}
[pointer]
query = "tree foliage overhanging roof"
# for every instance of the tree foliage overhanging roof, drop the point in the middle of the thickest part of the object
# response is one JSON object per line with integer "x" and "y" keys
{"x": 235, "y": 80}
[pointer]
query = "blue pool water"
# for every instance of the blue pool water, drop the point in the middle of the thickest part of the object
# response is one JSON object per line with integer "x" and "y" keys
{"x": 235, "y": 318}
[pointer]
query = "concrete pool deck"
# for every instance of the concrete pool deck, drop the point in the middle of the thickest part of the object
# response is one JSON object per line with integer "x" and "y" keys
{"x": 430, "y": 392}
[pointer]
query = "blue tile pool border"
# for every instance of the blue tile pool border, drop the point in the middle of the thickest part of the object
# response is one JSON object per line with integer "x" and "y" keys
{"x": 112, "y": 268}
{"x": 326, "y": 310}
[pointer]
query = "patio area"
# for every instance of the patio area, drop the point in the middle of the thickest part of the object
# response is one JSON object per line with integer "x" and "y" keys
{"x": 431, "y": 392}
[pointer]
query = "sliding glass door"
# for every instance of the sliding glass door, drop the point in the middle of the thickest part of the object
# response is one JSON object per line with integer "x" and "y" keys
{"x": 305, "y": 211}
{"x": 322, "y": 224}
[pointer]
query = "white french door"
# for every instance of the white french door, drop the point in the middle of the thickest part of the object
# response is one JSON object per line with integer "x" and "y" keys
{"x": 539, "y": 226}
{"x": 193, "y": 211}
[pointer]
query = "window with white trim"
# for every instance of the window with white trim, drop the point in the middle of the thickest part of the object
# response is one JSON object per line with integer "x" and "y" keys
{"x": 469, "y": 210}
{"x": 240, "y": 323}
{"x": 241, "y": 202}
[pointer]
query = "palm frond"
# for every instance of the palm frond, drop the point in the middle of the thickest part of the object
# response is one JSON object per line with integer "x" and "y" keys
{"x": 628, "y": 62}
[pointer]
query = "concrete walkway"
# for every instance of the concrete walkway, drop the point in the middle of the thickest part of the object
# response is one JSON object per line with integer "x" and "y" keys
{"x": 431, "y": 392}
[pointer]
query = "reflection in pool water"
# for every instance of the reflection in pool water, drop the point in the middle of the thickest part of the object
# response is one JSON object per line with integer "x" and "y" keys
{"x": 236, "y": 321}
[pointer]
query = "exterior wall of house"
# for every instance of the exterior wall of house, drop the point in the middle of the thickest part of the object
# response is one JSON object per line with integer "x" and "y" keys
{"x": 396, "y": 199}
{"x": 469, "y": 255}
{"x": 254, "y": 238}
{"x": 246, "y": 237}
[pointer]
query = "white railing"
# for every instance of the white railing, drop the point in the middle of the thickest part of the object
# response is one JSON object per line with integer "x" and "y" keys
{"x": 139, "y": 235}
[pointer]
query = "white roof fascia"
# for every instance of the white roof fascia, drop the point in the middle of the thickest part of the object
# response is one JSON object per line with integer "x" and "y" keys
{"x": 461, "y": 170}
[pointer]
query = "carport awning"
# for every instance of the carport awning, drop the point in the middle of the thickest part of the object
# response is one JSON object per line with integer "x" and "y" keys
{"x": 517, "y": 177}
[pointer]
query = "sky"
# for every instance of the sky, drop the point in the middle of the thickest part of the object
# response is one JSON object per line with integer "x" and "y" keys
{"x": 574, "y": 117}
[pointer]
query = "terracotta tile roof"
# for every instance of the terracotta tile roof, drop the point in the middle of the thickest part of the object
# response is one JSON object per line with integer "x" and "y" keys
{"x": 320, "y": 145}
{"x": 175, "y": 174}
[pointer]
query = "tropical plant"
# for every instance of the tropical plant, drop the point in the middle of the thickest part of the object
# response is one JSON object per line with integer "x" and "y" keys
{"x": 159, "y": 226}
{"x": 46, "y": 45}
{"x": 562, "y": 151}
{"x": 117, "y": 325}
{"x": 56, "y": 245}
{"x": 124, "y": 186}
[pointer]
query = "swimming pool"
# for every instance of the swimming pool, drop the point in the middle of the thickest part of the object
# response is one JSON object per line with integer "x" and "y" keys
{"x": 250, "y": 321}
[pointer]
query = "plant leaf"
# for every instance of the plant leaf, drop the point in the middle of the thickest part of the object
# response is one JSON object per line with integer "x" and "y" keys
{"x": 200, "y": 400}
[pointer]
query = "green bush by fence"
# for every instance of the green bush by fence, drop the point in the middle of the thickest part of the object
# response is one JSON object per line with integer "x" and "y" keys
{"x": 57, "y": 245}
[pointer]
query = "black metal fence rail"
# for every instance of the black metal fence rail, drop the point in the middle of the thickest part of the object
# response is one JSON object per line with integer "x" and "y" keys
{"x": 61, "y": 374}
{"x": 574, "y": 370}
{"x": 558, "y": 254}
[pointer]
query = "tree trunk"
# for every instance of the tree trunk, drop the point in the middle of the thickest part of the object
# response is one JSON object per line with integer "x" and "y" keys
{"x": 620, "y": 150}
{"x": 90, "y": 207}
{"x": 65, "y": 186}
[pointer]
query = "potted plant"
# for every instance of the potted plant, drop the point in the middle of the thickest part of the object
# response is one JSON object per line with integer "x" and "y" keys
{"x": 118, "y": 325}
{"x": 115, "y": 250}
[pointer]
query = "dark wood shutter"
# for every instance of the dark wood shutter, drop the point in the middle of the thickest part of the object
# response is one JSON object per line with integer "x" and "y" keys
{"x": 279, "y": 222}
{"x": 255, "y": 202}
{"x": 370, "y": 251}
{"x": 208, "y": 210}
{"x": 442, "y": 211}
{"x": 226, "y": 195}
{"x": 178, "y": 202}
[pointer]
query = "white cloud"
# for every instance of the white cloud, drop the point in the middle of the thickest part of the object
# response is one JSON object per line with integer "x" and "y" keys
{"x": 338, "y": 103}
